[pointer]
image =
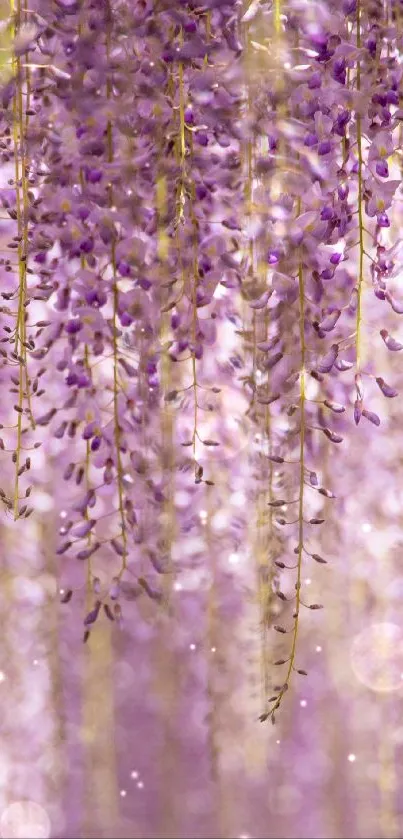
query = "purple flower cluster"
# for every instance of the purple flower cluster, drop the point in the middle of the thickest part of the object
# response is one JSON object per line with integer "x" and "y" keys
{"x": 192, "y": 238}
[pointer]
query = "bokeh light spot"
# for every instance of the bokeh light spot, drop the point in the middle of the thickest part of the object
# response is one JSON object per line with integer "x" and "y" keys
{"x": 377, "y": 657}
{"x": 25, "y": 818}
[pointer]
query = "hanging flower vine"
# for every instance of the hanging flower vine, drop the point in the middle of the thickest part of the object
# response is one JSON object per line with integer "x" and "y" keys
{"x": 190, "y": 237}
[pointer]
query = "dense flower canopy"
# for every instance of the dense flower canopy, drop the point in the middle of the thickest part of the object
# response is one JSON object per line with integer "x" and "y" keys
{"x": 201, "y": 291}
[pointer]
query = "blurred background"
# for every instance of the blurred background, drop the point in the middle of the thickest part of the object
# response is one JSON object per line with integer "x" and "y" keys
{"x": 153, "y": 730}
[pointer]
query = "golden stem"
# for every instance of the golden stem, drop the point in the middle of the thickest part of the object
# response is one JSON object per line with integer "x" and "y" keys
{"x": 360, "y": 214}
{"x": 116, "y": 432}
{"x": 277, "y": 17}
{"x": 291, "y": 662}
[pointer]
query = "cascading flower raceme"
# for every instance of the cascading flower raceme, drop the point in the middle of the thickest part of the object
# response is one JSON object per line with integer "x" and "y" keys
{"x": 190, "y": 242}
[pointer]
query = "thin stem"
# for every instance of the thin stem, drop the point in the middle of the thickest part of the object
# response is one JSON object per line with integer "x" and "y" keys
{"x": 180, "y": 214}
{"x": 182, "y": 114}
{"x": 22, "y": 240}
{"x": 116, "y": 432}
{"x": 116, "y": 414}
{"x": 301, "y": 493}
{"x": 277, "y": 17}
{"x": 194, "y": 314}
{"x": 88, "y": 484}
{"x": 360, "y": 214}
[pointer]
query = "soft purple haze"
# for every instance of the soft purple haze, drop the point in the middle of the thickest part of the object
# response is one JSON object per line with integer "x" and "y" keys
{"x": 200, "y": 328}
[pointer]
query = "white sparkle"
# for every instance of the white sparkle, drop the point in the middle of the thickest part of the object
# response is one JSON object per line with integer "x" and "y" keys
{"x": 63, "y": 514}
{"x": 318, "y": 649}
{"x": 308, "y": 581}
{"x": 232, "y": 422}
{"x": 192, "y": 646}
{"x": 123, "y": 793}
{"x": 178, "y": 586}
{"x": 134, "y": 774}
{"x": 233, "y": 559}
{"x": 351, "y": 758}
{"x": 203, "y": 514}
{"x": 303, "y": 703}
{"x": 140, "y": 785}
{"x": 2, "y": 676}
{"x": 278, "y": 742}
{"x": 213, "y": 649}
{"x": 35, "y": 661}
{"x": 366, "y": 527}
{"x": 238, "y": 499}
